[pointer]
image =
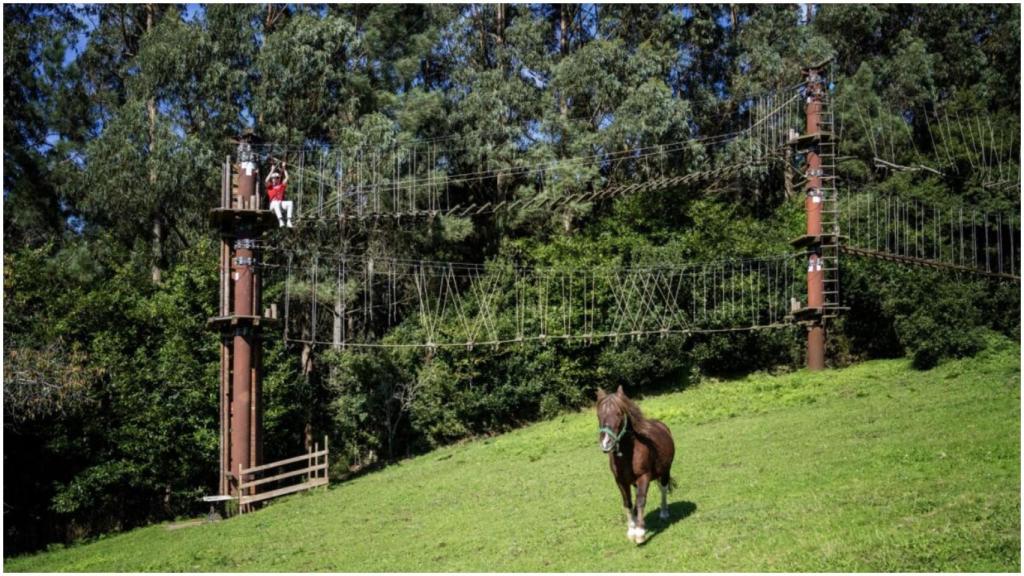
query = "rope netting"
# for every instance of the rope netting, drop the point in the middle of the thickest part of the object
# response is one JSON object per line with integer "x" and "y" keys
{"x": 940, "y": 142}
{"x": 913, "y": 231}
{"x": 338, "y": 300}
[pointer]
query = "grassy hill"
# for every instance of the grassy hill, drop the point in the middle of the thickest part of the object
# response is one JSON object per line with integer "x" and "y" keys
{"x": 876, "y": 467}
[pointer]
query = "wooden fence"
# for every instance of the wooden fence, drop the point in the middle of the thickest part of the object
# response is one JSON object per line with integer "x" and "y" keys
{"x": 313, "y": 474}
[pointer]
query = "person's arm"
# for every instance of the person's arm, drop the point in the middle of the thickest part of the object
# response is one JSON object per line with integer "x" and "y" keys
{"x": 284, "y": 168}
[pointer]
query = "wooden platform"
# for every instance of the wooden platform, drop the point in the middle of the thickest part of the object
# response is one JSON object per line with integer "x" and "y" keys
{"x": 807, "y": 140}
{"x": 806, "y": 314}
{"x": 230, "y": 219}
{"x": 223, "y": 322}
{"x": 813, "y": 240}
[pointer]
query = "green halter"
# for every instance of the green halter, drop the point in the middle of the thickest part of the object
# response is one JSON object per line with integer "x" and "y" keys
{"x": 617, "y": 437}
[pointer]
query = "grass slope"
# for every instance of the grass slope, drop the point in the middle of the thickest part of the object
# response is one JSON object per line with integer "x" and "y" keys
{"x": 875, "y": 467}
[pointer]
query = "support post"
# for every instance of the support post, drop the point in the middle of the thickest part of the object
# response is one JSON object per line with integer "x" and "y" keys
{"x": 812, "y": 205}
{"x": 241, "y": 387}
{"x": 241, "y": 222}
{"x": 817, "y": 144}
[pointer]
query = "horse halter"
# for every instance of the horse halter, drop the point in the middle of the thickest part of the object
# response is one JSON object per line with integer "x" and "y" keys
{"x": 617, "y": 437}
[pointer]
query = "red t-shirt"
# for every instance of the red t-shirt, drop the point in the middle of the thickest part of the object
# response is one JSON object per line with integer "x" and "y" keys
{"x": 276, "y": 192}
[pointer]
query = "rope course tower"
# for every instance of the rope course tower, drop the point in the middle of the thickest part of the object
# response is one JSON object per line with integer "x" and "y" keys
{"x": 240, "y": 220}
{"x": 822, "y": 208}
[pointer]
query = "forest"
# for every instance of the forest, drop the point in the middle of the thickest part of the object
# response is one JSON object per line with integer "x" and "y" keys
{"x": 117, "y": 119}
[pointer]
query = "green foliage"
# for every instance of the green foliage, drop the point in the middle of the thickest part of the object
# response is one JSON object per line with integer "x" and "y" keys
{"x": 139, "y": 438}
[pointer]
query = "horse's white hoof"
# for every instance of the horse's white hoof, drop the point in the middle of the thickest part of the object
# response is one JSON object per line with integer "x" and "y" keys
{"x": 663, "y": 515}
{"x": 640, "y": 536}
{"x": 631, "y": 533}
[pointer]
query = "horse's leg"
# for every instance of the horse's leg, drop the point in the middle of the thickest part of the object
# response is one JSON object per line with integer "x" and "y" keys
{"x": 642, "y": 483}
{"x": 627, "y": 504}
{"x": 664, "y": 500}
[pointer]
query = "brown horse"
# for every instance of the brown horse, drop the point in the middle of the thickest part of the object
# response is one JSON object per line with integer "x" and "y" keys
{"x": 639, "y": 451}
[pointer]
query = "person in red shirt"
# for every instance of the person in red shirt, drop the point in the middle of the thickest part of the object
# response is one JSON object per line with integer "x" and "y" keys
{"x": 275, "y": 192}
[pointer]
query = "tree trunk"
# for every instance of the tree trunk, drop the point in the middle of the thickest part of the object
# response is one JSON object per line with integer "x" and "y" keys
{"x": 501, "y": 24}
{"x": 339, "y": 318}
{"x": 307, "y": 374}
{"x": 563, "y": 29}
{"x": 158, "y": 226}
{"x": 477, "y": 12}
{"x": 158, "y": 246}
{"x": 563, "y": 49}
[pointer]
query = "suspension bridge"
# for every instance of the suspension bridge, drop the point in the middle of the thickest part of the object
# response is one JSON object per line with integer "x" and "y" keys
{"x": 340, "y": 301}
{"x": 391, "y": 180}
{"x": 954, "y": 237}
{"x": 958, "y": 237}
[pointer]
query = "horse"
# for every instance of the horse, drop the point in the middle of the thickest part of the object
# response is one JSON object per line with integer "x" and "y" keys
{"x": 639, "y": 450}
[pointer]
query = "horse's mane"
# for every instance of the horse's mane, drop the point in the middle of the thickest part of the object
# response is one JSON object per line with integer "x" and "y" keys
{"x": 641, "y": 426}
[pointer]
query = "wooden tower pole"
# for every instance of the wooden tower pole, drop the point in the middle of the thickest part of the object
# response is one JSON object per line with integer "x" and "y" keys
{"x": 240, "y": 221}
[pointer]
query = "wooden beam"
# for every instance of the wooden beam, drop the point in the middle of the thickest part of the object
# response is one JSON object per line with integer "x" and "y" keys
{"x": 310, "y": 469}
{"x": 247, "y": 471}
{"x": 245, "y": 500}
{"x": 924, "y": 262}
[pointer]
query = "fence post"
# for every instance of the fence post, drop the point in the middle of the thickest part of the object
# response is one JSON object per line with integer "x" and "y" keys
{"x": 241, "y": 491}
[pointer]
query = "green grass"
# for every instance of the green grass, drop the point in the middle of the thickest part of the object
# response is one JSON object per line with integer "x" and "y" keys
{"x": 872, "y": 468}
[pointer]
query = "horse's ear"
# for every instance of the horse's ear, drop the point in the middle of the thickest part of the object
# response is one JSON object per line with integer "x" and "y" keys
{"x": 620, "y": 393}
{"x": 601, "y": 394}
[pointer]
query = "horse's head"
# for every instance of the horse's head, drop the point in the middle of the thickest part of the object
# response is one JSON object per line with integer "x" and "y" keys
{"x": 612, "y": 419}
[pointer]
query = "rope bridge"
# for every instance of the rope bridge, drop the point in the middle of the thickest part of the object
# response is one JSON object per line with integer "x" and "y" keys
{"x": 935, "y": 142}
{"x": 953, "y": 147}
{"x": 343, "y": 301}
{"x": 953, "y": 237}
{"x": 420, "y": 179}
{"x": 336, "y": 300}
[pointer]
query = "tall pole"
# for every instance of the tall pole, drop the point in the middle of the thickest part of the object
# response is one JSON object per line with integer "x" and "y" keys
{"x": 242, "y": 275}
{"x": 240, "y": 221}
{"x": 812, "y": 205}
